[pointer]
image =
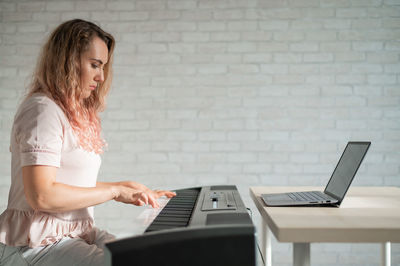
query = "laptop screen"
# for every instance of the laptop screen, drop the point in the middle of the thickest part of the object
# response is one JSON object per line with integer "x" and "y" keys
{"x": 346, "y": 169}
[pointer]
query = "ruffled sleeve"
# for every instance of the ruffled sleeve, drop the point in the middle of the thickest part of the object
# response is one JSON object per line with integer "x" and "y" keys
{"x": 39, "y": 133}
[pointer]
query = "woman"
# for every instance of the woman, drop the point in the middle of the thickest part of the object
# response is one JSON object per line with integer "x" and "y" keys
{"x": 55, "y": 146}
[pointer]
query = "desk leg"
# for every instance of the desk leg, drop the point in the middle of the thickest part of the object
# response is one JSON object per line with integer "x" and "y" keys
{"x": 385, "y": 254}
{"x": 301, "y": 254}
{"x": 266, "y": 243}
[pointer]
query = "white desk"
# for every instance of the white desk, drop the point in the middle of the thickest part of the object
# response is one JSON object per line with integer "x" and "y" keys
{"x": 367, "y": 215}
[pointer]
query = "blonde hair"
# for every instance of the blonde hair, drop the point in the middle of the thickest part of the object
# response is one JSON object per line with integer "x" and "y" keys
{"x": 58, "y": 75}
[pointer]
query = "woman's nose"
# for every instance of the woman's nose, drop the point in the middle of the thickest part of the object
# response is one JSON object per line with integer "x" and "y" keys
{"x": 100, "y": 76}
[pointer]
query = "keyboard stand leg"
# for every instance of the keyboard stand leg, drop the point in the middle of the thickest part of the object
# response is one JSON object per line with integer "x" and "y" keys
{"x": 266, "y": 243}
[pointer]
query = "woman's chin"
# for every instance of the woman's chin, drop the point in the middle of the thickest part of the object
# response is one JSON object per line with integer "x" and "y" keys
{"x": 86, "y": 94}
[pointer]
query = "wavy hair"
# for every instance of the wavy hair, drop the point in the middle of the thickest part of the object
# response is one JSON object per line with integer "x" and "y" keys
{"x": 58, "y": 75}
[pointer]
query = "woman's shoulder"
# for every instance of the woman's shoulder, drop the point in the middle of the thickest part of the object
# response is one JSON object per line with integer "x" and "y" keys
{"x": 40, "y": 101}
{"x": 39, "y": 105}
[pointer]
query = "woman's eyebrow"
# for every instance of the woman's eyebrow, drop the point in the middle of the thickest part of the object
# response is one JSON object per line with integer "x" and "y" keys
{"x": 98, "y": 60}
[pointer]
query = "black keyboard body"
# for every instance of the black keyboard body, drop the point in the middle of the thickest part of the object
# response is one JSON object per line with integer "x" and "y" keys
{"x": 200, "y": 226}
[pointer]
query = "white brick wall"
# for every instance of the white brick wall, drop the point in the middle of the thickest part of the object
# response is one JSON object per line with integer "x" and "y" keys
{"x": 247, "y": 92}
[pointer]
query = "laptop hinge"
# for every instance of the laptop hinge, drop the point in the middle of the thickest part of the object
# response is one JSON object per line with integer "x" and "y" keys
{"x": 332, "y": 195}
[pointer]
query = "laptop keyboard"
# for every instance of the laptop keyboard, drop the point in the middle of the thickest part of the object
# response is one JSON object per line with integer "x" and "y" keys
{"x": 308, "y": 196}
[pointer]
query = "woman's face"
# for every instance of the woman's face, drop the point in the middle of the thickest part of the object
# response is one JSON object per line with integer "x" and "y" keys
{"x": 92, "y": 66}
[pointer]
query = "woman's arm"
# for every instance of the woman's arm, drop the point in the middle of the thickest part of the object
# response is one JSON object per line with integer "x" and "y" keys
{"x": 43, "y": 193}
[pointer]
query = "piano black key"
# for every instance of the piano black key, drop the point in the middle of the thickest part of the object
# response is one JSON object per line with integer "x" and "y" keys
{"x": 171, "y": 219}
{"x": 189, "y": 206}
{"x": 181, "y": 211}
{"x": 177, "y": 208}
{"x": 183, "y": 215}
{"x": 190, "y": 203}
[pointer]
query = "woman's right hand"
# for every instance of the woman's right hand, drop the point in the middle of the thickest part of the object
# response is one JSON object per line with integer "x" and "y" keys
{"x": 133, "y": 196}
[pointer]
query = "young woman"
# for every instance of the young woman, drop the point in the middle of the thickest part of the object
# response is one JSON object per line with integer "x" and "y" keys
{"x": 55, "y": 147}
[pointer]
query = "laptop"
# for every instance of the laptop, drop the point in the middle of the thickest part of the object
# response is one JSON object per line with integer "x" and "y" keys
{"x": 337, "y": 186}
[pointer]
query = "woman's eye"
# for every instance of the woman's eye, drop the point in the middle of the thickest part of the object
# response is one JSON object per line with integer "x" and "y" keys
{"x": 95, "y": 66}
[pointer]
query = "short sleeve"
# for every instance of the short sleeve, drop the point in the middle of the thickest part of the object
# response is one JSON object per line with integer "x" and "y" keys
{"x": 38, "y": 130}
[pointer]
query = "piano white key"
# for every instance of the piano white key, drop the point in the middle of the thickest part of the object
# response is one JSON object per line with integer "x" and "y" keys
{"x": 149, "y": 214}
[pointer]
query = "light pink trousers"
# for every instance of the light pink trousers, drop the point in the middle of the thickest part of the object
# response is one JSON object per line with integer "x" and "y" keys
{"x": 65, "y": 252}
